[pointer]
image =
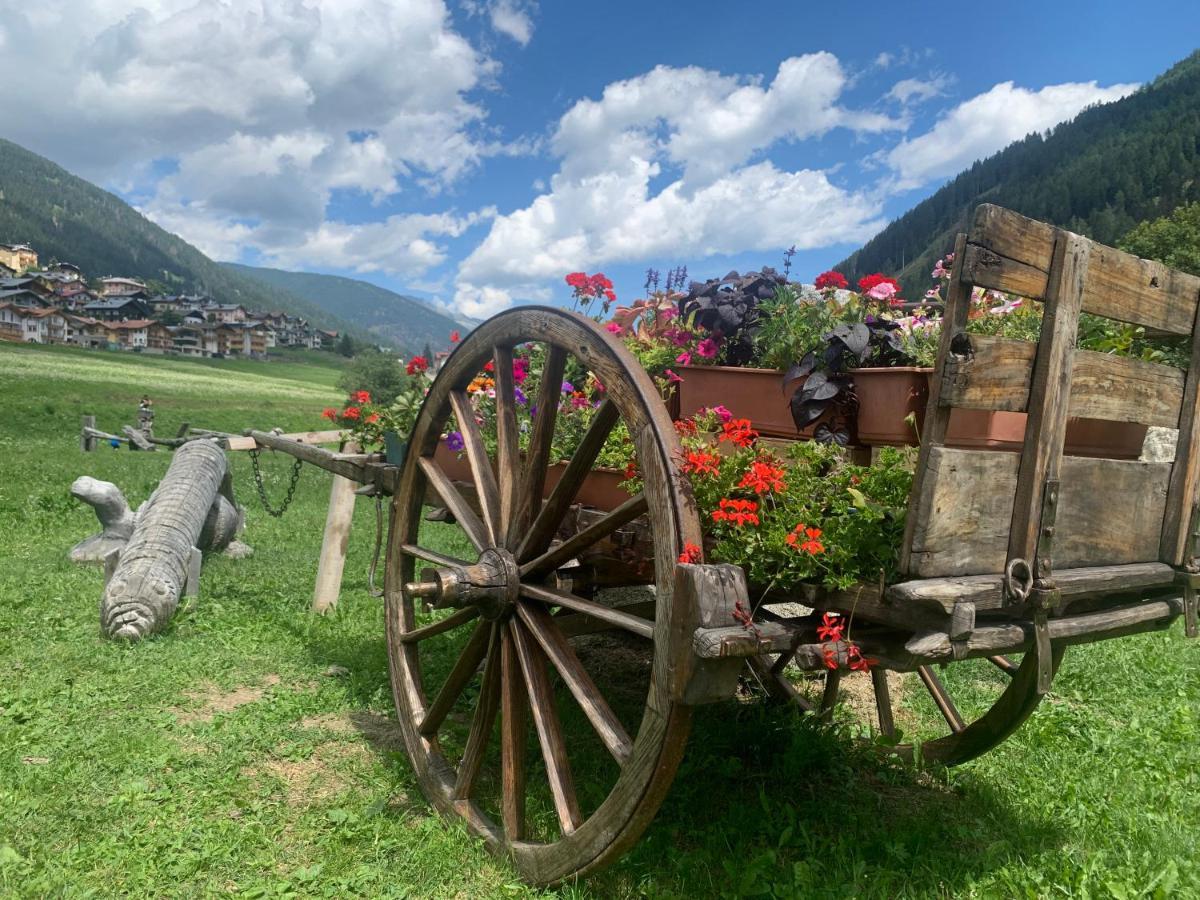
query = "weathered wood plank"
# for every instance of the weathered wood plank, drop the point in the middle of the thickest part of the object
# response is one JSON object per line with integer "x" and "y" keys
{"x": 937, "y": 421}
{"x": 996, "y": 374}
{"x": 1109, "y": 512}
{"x": 1046, "y": 428}
{"x": 250, "y": 441}
{"x": 1185, "y": 477}
{"x": 1010, "y": 252}
{"x": 940, "y": 595}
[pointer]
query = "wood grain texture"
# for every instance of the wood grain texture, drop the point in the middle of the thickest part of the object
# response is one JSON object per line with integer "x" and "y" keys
{"x": 334, "y": 543}
{"x": 486, "y": 489}
{"x": 1013, "y": 253}
{"x": 537, "y": 456}
{"x": 508, "y": 449}
{"x": 151, "y": 571}
{"x": 1046, "y": 428}
{"x": 937, "y": 419}
{"x": 478, "y": 533}
{"x": 486, "y": 707}
{"x": 939, "y": 596}
{"x": 548, "y": 727}
{"x": 998, "y": 373}
{"x": 1185, "y": 477}
{"x": 966, "y": 506}
{"x": 464, "y": 670}
{"x": 513, "y": 730}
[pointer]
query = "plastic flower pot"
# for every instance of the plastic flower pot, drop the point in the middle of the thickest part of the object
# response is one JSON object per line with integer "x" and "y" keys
{"x": 395, "y": 448}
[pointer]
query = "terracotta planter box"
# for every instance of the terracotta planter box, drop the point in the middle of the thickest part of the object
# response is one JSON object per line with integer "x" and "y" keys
{"x": 601, "y": 489}
{"x": 754, "y": 394}
{"x": 886, "y": 397}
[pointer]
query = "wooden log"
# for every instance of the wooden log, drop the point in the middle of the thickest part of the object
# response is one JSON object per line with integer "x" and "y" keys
{"x": 1110, "y": 512}
{"x": 251, "y": 441}
{"x": 144, "y": 590}
{"x": 996, "y": 373}
{"x": 137, "y": 438}
{"x": 332, "y": 561}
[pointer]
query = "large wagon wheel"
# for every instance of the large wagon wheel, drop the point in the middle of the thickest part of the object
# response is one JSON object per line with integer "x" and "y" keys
{"x": 1005, "y": 695}
{"x": 502, "y": 616}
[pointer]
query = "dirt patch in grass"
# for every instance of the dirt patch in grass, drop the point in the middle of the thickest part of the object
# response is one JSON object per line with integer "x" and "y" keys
{"x": 333, "y": 723}
{"x": 381, "y": 732}
{"x": 316, "y": 778}
{"x": 214, "y": 700}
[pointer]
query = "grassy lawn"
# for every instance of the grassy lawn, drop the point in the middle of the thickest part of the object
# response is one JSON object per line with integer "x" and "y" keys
{"x": 227, "y": 756}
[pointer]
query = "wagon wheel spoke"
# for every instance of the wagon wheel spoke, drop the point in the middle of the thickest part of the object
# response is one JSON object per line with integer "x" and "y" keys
{"x": 438, "y": 559}
{"x": 776, "y": 683}
{"x": 464, "y": 669}
{"x": 508, "y": 446}
{"x": 452, "y": 621}
{"x": 1004, "y": 664}
{"x": 513, "y": 726}
{"x": 549, "y": 729}
{"x": 455, "y": 502}
{"x": 541, "y": 436}
{"x": 942, "y": 698}
{"x": 485, "y": 717}
{"x": 883, "y": 702}
{"x": 546, "y": 523}
{"x": 593, "y": 534}
{"x": 635, "y": 624}
{"x": 481, "y": 465}
{"x": 558, "y": 650}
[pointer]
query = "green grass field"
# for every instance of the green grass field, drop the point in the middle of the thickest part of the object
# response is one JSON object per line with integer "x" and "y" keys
{"x": 220, "y": 759}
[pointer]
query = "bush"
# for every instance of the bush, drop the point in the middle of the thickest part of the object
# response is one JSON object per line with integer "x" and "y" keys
{"x": 381, "y": 374}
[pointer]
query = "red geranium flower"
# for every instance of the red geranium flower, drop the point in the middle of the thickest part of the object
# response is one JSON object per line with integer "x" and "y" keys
{"x": 831, "y": 279}
{"x": 577, "y": 280}
{"x": 739, "y": 432}
{"x": 831, "y": 657}
{"x": 417, "y": 364}
{"x": 804, "y": 540}
{"x": 454, "y": 338}
{"x": 361, "y": 397}
{"x": 372, "y": 418}
{"x": 858, "y": 662}
{"x": 329, "y": 413}
{"x": 490, "y": 366}
{"x": 691, "y": 554}
{"x": 736, "y": 512}
{"x": 701, "y": 462}
{"x": 831, "y": 627}
{"x": 763, "y": 478}
{"x": 351, "y": 412}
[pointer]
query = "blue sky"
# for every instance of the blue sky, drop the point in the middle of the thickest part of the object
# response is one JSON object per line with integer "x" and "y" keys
{"x": 474, "y": 151}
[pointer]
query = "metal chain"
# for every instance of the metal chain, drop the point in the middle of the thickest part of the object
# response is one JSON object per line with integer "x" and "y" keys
{"x": 262, "y": 491}
{"x": 371, "y": 589}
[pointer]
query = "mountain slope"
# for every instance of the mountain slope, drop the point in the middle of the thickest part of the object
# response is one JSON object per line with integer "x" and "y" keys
{"x": 1100, "y": 174}
{"x": 70, "y": 219}
{"x": 396, "y": 318}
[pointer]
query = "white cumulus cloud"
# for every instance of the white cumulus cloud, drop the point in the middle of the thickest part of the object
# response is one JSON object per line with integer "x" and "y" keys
{"x": 989, "y": 122}
{"x": 665, "y": 165}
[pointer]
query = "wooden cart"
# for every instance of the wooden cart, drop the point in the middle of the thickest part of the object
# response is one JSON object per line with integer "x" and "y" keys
{"x": 1004, "y": 554}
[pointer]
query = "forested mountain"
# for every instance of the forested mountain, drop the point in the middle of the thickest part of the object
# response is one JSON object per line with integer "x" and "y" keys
{"x": 1100, "y": 174}
{"x": 66, "y": 218}
{"x": 390, "y": 317}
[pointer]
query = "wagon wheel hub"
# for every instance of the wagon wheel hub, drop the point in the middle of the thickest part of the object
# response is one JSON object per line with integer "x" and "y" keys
{"x": 492, "y": 583}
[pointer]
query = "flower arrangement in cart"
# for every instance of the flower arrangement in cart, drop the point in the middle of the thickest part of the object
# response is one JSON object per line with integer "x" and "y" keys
{"x": 800, "y": 515}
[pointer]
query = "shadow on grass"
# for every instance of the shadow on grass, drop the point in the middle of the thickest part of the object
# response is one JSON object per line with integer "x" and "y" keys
{"x": 768, "y": 802}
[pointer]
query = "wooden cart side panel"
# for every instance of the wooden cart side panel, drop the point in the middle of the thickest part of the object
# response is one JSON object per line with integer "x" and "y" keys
{"x": 1109, "y": 513}
{"x": 1185, "y": 477}
{"x": 1010, "y": 252}
{"x": 998, "y": 372}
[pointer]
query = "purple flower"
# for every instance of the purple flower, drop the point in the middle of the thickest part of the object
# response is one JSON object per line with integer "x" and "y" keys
{"x": 454, "y": 441}
{"x": 707, "y": 348}
{"x": 520, "y": 396}
{"x": 568, "y": 388}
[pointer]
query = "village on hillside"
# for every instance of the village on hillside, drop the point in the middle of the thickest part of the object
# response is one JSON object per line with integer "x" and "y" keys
{"x": 56, "y": 305}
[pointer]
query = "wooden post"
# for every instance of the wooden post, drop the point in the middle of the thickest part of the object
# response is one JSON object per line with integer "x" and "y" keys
{"x": 337, "y": 537}
{"x": 87, "y": 443}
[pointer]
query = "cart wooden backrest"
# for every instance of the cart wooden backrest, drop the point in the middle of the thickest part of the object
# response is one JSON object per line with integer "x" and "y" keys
{"x": 972, "y": 511}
